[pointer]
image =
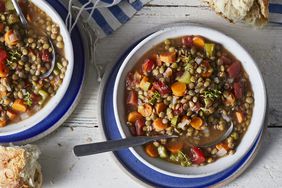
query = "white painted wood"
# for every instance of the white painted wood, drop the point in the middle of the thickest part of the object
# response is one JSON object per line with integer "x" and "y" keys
{"x": 62, "y": 169}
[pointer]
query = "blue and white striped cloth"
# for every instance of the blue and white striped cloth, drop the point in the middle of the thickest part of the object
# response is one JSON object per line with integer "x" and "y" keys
{"x": 275, "y": 9}
{"x": 111, "y": 14}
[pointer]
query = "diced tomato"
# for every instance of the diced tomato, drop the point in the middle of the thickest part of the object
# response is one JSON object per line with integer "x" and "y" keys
{"x": 2, "y": 6}
{"x": 187, "y": 41}
{"x": 139, "y": 124}
{"x": 234, "y": 69}
{"x": 238, "y": 90}
{"x": 162, "y": 88}
{"x": 225, "y": 60}
{"x": 132, "y": 98}
{"x": 3, "y": 55}
{"x": 197, "y": 156}
{"x": 46, "y": 56}
{"x": 148, "y": 66}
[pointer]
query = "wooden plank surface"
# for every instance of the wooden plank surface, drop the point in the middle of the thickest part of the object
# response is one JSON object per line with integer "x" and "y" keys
{"x": 62, "y": 169}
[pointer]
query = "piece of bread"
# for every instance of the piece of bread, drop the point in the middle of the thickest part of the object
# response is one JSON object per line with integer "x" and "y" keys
{"x": 253, "y": 12}
{"x": 19, "y": 167}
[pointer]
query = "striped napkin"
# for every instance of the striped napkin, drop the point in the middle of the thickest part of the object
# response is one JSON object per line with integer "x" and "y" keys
{"x": 108, "y": 15}
{"x": 111, "y": 14}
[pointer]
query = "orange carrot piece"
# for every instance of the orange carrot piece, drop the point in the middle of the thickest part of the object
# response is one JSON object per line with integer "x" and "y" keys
{"x": 3, "y": 123}
{"x": 19, "y": 106}
{"x": 178, "y": 89}
{"x": 160, "y": 107}
{"x": 159, "y": 125}
{"x": 145, "y": 110}
{"x": 11, "y": 38}
{"x": 196, "y": 123}
{"x": 199, "y": 41}
{"x": 133, "y": 116}
{"x": 230, "y": 100}
{"x": 11, "y": 115}
{"x": 174, "y": 146}
{"x": 168, "y": 57}
{"x": 151, "y": 150}
{"x": 4, "y": 71}
{"x": 222, "y": 145}
{"x": 239, "y": 117}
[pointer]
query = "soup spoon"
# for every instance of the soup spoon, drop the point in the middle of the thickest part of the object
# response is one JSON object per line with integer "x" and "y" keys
{"x": 114, "y": 145}
{"x": 25, "y": 24}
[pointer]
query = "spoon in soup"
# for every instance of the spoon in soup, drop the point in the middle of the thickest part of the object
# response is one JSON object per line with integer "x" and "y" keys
{"x": 25, "y": 24}
{"x": 114, "y": 145}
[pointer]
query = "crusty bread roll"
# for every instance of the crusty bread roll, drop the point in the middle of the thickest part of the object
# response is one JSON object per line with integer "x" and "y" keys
{"x": 19, "y": 167}
{"x": 253, "y": 12}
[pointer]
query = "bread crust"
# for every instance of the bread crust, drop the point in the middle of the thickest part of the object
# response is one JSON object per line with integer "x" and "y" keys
{"x": 253, "y": 12}
{"x": 14, "y": 162}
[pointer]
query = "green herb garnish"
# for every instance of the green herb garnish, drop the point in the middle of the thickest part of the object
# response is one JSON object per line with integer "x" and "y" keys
{"x": 155, "y": 97}
{"x": 212, "y": 94}
{"x": 27, "y": 99}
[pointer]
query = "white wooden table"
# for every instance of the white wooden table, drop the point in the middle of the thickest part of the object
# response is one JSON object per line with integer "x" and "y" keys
{"x": 62, "y": 169}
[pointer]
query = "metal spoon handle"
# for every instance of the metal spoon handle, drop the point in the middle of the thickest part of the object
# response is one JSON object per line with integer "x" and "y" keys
{"x": 20, "y": 13}
{"x": 114, "y": 145}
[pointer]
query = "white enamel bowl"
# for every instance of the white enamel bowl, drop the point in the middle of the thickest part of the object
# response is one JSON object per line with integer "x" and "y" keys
{"x": 257, "y": 121}
{"x": 53, "y": 102}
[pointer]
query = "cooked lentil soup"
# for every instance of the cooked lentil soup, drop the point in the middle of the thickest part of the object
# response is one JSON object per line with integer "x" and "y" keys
{"x": 192, "y": 87}
{"x": 25, "y": 55}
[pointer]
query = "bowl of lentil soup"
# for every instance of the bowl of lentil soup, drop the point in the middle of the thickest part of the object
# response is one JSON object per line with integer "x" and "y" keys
{"x": 25, "y": 55}
{"x": 193, "y": 82}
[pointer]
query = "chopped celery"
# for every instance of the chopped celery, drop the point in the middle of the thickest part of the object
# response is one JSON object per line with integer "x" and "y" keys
{"x": 162, "y": 152}
{"x": 44, "y": 96}
{"x": 185, "y": 78}
{"x": 209, "y": 48}
{"x": 9, "y": 5}
{"x": 188, "y": 66}
{"x": 174, "y": 120}
{"x": 146, "y": 86}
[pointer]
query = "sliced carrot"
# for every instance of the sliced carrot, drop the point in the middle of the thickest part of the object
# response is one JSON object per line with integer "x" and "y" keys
{"x": 4, "y": 71}
{"x": 160, "y": 107}
{"x": 174, "y": 146}
{"x": 199, "y": 41}
{"x": 230, "y": 100}
{"x": 196, "y": 123}
{"x": 168, "y": 57}
{"x": 239, "y": 117}
{"x": 145, "y": 110}
{"x": 3, "y": 123}
{"x": 11, "y": 38}
{"x": 19, "y": 106}
{"x": 178, "y": 89}
{"x": 151, "y": 150}
{"x": 159, "y": 125}
{"x": 133, "y": 116}
{"x": 12, "y": 115}
{"x": 222, "y": 145}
